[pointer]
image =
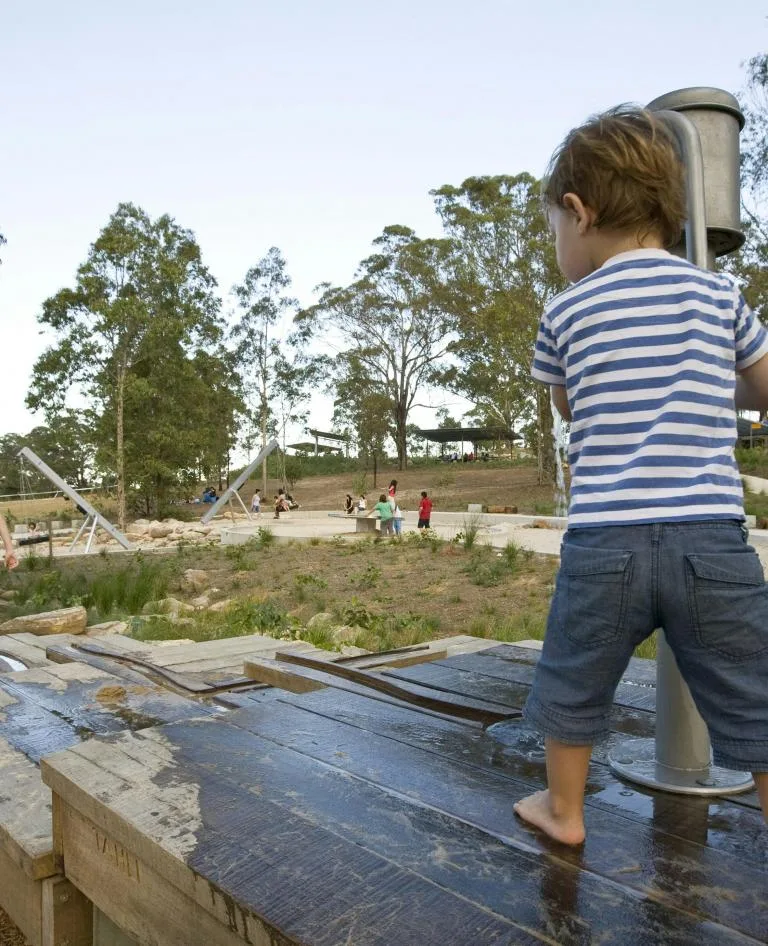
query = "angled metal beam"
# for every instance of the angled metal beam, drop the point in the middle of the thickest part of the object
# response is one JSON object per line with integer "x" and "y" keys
{"x": 76, "y": 498}
{"x": 232, "y": 490}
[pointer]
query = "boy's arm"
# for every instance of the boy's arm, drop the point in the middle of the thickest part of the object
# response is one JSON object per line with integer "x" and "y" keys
{"x": 752, "y": 387}
{"x": 5, "y": 534}
{"x": 560, "y": 400}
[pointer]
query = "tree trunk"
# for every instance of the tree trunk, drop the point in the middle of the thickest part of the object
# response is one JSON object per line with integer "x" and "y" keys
{"x": 264, "y": 443}
{"x": 120, "y": 450}
{"x": 401, "y": 436}
{"x": 545, "y": 452}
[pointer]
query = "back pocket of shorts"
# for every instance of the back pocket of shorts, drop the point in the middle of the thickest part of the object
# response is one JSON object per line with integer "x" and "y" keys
{"x": 728, "y": 600}
{"x": 593, "y": 592}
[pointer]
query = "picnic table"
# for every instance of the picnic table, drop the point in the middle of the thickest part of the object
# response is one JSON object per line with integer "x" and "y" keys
{"x": 363, "y": 522}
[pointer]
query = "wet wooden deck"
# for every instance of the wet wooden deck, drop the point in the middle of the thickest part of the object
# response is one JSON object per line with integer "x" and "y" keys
{"x": 338, "y": 818}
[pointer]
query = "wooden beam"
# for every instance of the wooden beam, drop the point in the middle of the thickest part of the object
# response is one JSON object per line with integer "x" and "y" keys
{"x": 67, "y": 915}
{"x": 419, "y": 696}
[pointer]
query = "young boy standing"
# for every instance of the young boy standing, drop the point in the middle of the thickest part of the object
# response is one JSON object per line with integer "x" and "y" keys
{"x": 642, "y": 354}
{"x": 425, "y": 510}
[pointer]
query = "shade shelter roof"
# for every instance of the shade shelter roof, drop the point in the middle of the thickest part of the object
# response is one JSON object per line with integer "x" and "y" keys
{"x": 471, "y": 434}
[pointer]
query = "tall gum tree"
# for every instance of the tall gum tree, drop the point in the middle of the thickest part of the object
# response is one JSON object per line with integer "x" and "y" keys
{"x": 393, "y": 321}
{"x": 142, "y": 291}
{"x": 504, "y": 271}
{"x": 258, "y": 334}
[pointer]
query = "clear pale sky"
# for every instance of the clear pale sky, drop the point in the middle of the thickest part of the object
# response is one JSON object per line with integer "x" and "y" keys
{"x": 305, "y": 125}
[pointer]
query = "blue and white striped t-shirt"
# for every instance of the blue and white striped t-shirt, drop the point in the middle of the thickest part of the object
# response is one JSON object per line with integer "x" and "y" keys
{"x": 647, "y": 347}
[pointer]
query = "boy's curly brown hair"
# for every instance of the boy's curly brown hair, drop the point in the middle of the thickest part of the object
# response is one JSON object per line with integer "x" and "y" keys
{"x": 625, "y": 166}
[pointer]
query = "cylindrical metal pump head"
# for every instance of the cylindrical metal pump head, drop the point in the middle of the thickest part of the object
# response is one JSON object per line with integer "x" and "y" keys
{"x": 719, "y": 120}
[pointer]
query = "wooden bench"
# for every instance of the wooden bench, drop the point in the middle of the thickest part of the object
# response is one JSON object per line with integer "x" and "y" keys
{"x": 365, "y": 524}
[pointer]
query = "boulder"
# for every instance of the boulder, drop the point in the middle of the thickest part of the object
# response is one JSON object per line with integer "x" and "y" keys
{"x": 220, "y": 605}
{"x": 170, "y": 606}
{"x": 64, "y": 621}
{"x": 195, "y": 579}
{"x": 202, "y": 601}
{"x": 9, "y": 595}
{"x": 322, "y": 619}
{"x": 142, "y": 522}
{"x": 344, "y": 634}
{"x": 107, "y": 629}
{"x": 140, "y": 527}
{"x": 159, "y": 530}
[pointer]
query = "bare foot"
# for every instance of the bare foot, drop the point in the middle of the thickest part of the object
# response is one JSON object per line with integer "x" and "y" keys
{"x": 537, "y": 810}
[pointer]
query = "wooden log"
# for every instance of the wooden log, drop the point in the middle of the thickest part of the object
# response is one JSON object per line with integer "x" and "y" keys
{"x": 63, "y": 621}
{"x": 453, "y": 704}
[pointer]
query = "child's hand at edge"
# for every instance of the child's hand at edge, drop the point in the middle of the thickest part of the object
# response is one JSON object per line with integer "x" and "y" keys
{"x": 11, "y": 561}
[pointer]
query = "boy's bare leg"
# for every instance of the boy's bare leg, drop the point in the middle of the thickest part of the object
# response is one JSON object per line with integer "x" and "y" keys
{"x": 761, "y": 783}
{"x": 559, "y": 810}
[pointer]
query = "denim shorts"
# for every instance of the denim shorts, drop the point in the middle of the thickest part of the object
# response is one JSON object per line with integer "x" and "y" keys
{"x": 699, "y": 581}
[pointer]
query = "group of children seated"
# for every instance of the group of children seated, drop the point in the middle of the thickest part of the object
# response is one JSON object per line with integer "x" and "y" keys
{"x": 283, "y": 502}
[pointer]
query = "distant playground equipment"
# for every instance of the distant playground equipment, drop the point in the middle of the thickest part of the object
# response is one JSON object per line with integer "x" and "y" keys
{"x": 92, "y": 516}
{"x": 706, "y": 123}
{"x": 231, "y": 493}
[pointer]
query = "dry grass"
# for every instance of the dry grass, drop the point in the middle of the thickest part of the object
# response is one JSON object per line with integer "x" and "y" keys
{"x": 395, "y": 593}
{"x": 452, "y": 486}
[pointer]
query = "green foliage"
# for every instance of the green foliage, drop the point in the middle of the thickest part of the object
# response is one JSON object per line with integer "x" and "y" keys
{"x": 139, "y": 336}
{"x": 468, "y": 535}
{"x": 756, "y": 504}
{"x": 511, "y": 555}
{"x": 488, "y": 566}
{"x": 106, "y": 592}
{"x": 505, "y": 270}
{"x": 357, "y": 614}
{"x": 526, "y": 624}
{"x": 368, "y": 577}
{"x": 396, "y": 327}
{"x": 309, "y": 581}
{"x": 242, "y": 617}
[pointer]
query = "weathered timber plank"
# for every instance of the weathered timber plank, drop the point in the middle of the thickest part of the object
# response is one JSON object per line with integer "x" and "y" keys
{"x": 20, "y": 897}
{"x": 639, "y": 670}
{"x": 137, "y": 898}
{"x": 240, "y": 698}
{"x": 616, "y": 847}
{"x": 67, "y": 915}
{"x": 52, "y": 708}
{"x": 632, "y": 714}
{"x": 448, "y": 680}
{"x": 538, "y": 892}
{"x": 494, "y": 665}
{"x": 452, "y": 703}
{"x": 275, "y": 673}
{"x": 25, "y": 813}
{"x": 250, "y": 875}
{"x": 516, "y": 750}
{"x": 19, "y": 649}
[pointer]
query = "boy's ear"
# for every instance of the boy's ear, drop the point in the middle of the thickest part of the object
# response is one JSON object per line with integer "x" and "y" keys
{"x": 585, "y": 217}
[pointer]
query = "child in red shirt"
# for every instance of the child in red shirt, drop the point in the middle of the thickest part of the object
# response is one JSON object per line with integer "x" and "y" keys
{"x": 425, "y": 510}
